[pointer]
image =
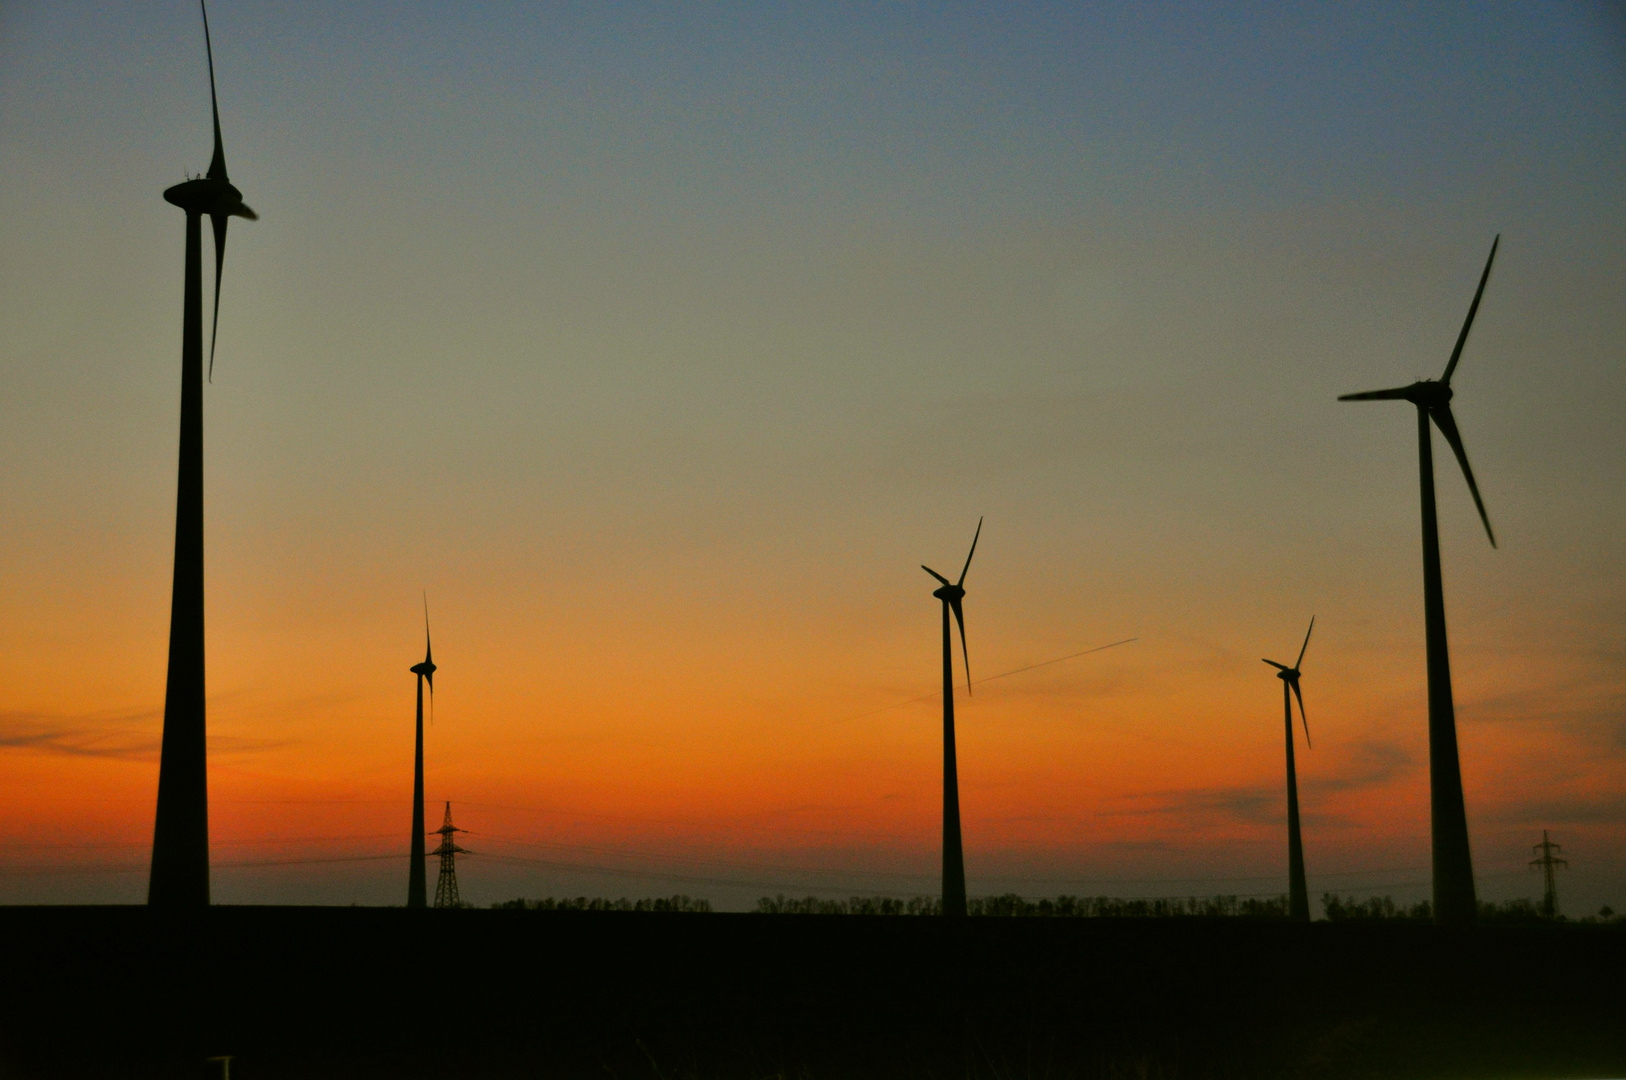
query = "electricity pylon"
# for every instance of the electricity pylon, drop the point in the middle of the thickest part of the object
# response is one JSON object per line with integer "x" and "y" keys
{"x": 446, "y": 888}
{"x": 1548, "y": 863}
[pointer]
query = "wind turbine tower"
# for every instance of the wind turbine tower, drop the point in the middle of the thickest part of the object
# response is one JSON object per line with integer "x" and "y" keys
{"x": 952, "y": 595}
{"x": 1454, "y": 901}
{"x": 180, "y": 835}
{"x": 425, "y": 673}
{"x": 1298, "y": 894}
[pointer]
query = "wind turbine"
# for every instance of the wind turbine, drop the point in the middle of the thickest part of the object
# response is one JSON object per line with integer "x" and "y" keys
{"x": 1298, "y": 895}
{"x": 953, "y": 857}
{"x": 180, "y": 841}
{"x": 417, "y": 891}
{"x": 1454, "y": 900}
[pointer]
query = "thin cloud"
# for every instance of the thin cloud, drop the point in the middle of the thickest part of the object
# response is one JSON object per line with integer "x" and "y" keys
{"x": 1370, "y": 763}
{"x": 1609, "y": 809}
{"x": 118, "y": 736}
{"x": 1590, "y": 706}
{"x": 1252, "y": 804}
{"x": 121, "y": 736}
{"x": 1140, "y": 847}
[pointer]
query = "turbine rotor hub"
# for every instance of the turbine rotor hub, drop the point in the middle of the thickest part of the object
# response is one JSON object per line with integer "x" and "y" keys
{"x": 205, "y": 195}
{"x": 950, "y": 593}
{"x": 1428, "y": 392}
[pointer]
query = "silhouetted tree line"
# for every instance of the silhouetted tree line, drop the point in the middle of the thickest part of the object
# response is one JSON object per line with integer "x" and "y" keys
{"x": 858, "y": 905}
{"x": 1383, "y": 907}
{"x": 1340, "y": 909}
{"x": 1010, "y": 904}
{"x": 679, "y": 903}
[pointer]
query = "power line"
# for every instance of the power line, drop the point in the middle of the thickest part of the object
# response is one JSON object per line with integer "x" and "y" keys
{"x": 702, "y": 861}
{"x": 305, "y": 862}
{"x": 736, "y": 864}
{"x": 213, "y": 843}
{"x": 995, "y": 886}
{"x": 659, "y": 875}
{"x": 142, "y": 868}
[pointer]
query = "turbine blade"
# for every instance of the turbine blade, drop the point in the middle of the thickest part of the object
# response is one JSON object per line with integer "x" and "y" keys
{"x": 217, "y": 166}
{"x": 1274, "y": 664}
{"x": 428, "y": 646}
{"x": 1473, "y": 309}
{"x": 959, "y": 617}
{"x": 1448, "y": 427}
{"x": 219, "y": 221}
{"x": 968, "y": 557}
{"x": 1306, "y": 644}
{"x": 934, "y": 573}
{"x": 1396, "y": 394}
{"x": 1294, "y": 683}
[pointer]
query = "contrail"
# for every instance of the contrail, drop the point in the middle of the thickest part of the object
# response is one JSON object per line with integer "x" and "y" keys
{"x": 1001, "y": 675}
{"x": 1057, "y": 660}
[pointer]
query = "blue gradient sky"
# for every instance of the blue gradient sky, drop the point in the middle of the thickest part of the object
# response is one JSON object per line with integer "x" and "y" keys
{"x": 661, "y": 344}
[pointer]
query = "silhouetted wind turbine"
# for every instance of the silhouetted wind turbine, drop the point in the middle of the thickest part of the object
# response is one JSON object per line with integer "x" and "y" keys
{"x": 1454, "y": 900}
{"x": 180, "y": 842}
{"x": 953, "y": 858}
{"x": 417, "y": 892}
{"x": 1298, "y": 894}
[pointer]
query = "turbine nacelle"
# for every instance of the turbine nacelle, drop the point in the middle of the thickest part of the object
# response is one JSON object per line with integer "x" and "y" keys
{"x": 1290, "y": 676}
{"x": 1428, "y": 394}
{"x": 427, "y": 668}
{"x": 952, "y": 593}
{"x": 1433, "y": 398}
{"x": 1285, "y": 673}
{"x": 213, "y": 193}
{"x": 210, "y": 195}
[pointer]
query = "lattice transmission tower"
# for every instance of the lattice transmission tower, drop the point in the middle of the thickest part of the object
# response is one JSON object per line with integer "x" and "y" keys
{"x": 446, "y": 887}
{"x": 1548, "y": 863}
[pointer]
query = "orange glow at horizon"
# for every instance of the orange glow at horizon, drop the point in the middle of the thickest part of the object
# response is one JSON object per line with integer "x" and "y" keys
{"x": 1145, "y": 769}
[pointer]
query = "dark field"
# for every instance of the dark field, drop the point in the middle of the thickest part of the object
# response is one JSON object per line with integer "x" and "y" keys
{"x": 356, "y": 992}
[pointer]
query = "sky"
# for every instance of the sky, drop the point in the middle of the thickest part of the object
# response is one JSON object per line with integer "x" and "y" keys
{"x": 659, "y": 345}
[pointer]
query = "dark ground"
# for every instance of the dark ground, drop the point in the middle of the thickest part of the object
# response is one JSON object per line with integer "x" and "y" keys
{"x": 359, "y": 992}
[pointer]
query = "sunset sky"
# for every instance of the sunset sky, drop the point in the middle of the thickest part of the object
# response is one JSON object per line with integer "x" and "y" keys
{"x": 661, "y": 344}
